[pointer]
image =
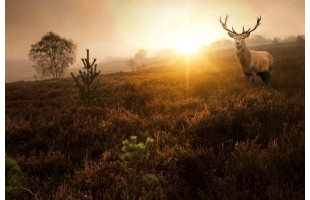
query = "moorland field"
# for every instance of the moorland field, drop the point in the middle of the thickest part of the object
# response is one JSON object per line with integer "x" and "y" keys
{"x": 214, "y": 137}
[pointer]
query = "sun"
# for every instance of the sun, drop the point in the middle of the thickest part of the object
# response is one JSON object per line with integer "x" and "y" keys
{"x": 188, "y": 45}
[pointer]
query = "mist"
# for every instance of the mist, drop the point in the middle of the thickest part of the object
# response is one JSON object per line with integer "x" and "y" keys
{"x": 119, "y": 28}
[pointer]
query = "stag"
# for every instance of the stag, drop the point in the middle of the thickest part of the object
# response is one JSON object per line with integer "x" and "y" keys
{"x": 252, "y": 62}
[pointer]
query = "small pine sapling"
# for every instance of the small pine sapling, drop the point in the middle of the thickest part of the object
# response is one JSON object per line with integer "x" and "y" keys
{"x": 84, "y": 80}
{"x": 135, "y": 152}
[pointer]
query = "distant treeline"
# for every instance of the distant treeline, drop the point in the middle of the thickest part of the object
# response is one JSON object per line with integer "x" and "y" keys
{"x": 253, "y": 40}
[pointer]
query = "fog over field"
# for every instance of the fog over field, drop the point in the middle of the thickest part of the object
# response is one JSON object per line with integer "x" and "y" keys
{"x": 120, "y": 28}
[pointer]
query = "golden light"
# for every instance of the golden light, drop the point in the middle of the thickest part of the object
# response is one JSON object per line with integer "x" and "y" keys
{"x": 188, "y": 45}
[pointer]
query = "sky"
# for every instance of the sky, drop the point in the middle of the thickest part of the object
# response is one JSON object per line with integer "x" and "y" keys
{"x": 118, "y": 28}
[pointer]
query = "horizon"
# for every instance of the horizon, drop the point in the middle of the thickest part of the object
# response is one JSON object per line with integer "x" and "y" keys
{"x": 23, "y": 71}
{"x": 211, "y": 47}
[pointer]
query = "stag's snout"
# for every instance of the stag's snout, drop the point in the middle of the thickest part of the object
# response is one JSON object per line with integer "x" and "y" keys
{"x": 238, "y": 43}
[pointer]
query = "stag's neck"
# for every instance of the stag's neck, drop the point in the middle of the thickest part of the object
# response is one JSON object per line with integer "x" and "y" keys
{"x": 242, "y": 49}
{"x": 243, "y": 55}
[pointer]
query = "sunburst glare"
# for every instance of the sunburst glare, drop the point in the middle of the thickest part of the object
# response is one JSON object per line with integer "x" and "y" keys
{"x": 188, "y": 44}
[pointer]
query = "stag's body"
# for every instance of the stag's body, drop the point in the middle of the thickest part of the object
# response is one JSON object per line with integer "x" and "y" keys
{"x": 252, "y": 62}
{"x": 255, "y": 63}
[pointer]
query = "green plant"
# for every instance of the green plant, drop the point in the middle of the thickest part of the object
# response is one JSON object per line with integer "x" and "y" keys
{"x": 134, "y": 151}
{"x": 13, "y": 178}
{"x": 84, "y": 80}
{"x": 152, "y": 179}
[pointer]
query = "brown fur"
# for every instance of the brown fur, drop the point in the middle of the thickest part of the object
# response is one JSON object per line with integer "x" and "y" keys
{"x": 254, "y": 62}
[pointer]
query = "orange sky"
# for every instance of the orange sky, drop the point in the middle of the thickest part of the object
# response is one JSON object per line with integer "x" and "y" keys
{"x": 121, "y": 27}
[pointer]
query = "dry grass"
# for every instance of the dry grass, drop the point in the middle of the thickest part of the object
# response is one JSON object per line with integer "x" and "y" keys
{"x": 214, "y": 138}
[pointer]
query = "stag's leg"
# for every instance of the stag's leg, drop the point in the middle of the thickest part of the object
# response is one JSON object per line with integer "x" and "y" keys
{"x": 263, "y": 77}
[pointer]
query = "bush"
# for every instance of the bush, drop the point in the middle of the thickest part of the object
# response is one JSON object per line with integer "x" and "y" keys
{"x": 13, "y": 178}
{"x": 135, "y": 152}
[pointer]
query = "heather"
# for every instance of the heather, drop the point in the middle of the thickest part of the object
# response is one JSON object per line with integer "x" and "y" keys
{"x": 212, "y": 136}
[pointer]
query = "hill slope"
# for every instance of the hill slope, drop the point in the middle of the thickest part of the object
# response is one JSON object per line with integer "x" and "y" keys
{"x": 214, "y": 138}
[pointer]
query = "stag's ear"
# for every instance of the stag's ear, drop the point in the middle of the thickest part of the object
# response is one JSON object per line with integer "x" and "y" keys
{"x": 245, "y": 35}
{"x": 231, "y": 35}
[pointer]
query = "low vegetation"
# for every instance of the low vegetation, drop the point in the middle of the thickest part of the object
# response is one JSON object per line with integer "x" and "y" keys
{"x": 13, "y": 178}
{"x": 210, "y": 136}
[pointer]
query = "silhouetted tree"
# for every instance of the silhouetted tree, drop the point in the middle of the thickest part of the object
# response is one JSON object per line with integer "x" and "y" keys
{"x": 257, "y": 40}
{"x": 140, "y": 58}
{"x": 300, "y": 39}
{"x": 141, "y": 67}
{"x": 141, "y": 54}
{"x": 52, "y": 55}
{"x": 131, "y": 64}
{"x": 276, "y": 40}
{"x": 291, "y": 38}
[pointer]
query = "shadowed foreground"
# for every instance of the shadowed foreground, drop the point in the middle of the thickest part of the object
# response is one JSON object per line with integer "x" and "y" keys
{"x": 213, "y": 137}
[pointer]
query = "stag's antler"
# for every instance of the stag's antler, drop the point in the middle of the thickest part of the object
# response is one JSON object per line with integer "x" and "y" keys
{"x": 257, "y": 24}
{"x": 225, "y": 26}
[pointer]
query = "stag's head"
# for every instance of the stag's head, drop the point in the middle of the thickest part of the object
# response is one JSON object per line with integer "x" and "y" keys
{"x": 239, "y": 37}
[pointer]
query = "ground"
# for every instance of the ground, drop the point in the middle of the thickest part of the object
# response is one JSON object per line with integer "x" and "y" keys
{"x": 214, "y": 137}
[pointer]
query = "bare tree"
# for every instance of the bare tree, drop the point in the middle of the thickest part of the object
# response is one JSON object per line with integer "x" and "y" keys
{"x": 52, "y": 55}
